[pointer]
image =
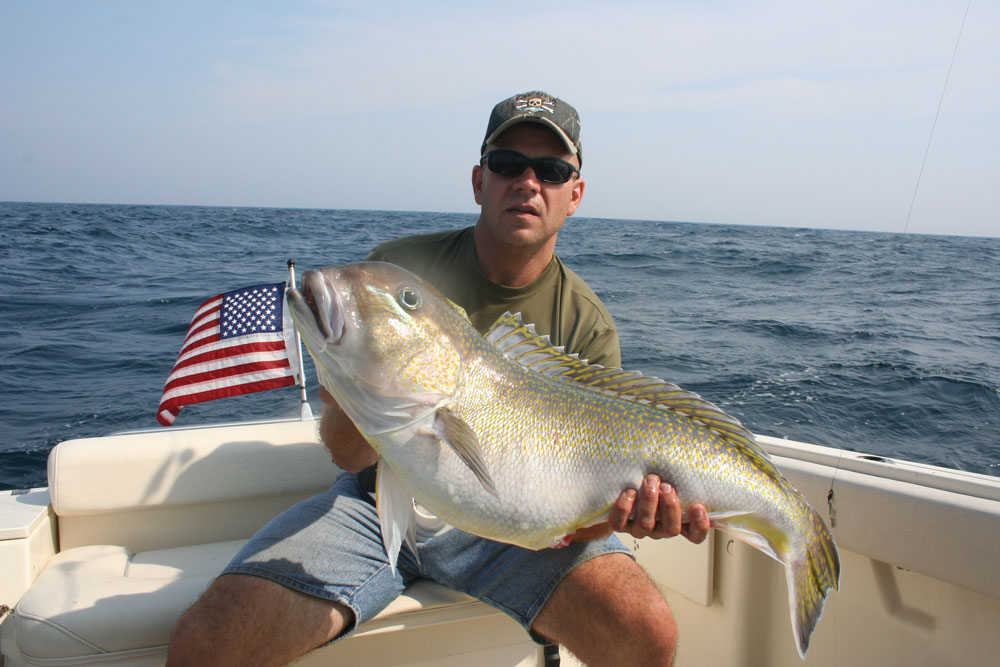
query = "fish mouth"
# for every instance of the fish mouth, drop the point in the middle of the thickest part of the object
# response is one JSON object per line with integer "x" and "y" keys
{"x": 322, "y": 302}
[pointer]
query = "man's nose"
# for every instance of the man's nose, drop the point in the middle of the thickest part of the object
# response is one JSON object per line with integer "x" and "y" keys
{"x": 528, "y": 179}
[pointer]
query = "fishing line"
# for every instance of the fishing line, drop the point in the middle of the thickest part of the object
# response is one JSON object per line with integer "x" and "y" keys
{"x": 832, "y": 513}
{"x": 936, "y": 114}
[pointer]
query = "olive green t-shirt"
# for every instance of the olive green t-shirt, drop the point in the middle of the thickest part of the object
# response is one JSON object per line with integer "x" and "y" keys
{"x": 559, "y": 303}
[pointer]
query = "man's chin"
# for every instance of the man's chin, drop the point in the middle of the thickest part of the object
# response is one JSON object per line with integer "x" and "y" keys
{"x": 519, "y": 231}
{"x": 520, "y": 237}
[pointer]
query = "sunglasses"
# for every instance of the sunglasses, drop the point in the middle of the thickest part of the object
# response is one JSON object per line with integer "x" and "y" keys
{"x": 511, "y": 164}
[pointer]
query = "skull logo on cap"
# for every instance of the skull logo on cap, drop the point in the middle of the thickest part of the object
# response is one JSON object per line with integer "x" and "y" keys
{"x": 535, "y": 104}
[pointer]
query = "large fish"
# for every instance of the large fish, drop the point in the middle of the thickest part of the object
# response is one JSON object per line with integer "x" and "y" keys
{"x": 507, "y": 437}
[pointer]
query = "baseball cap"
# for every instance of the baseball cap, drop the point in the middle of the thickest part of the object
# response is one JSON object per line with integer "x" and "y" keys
{"x": 537, "y": 107}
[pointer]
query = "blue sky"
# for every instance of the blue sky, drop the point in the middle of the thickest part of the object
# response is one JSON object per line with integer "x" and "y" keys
{"x": 791, "y": 113}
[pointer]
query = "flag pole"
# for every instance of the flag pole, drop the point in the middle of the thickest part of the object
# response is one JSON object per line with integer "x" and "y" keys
{"x": 305, "y": 411}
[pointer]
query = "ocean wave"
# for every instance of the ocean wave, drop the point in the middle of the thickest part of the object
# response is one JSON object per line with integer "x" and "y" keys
{"x": 883, "y": 343}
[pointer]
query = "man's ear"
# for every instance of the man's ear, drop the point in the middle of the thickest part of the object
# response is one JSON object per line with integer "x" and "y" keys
{"x": 574, "y": 202}
{"x": 477, "y": 183}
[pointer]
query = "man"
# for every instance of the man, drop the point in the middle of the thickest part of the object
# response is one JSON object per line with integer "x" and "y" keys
{"x": 315, "y": 572}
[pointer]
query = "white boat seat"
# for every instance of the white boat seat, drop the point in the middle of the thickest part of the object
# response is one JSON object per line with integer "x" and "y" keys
{"x": 147, "y": 520}
{"x": 105, "y": 603}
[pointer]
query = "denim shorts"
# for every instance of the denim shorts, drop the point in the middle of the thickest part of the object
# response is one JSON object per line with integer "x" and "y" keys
{"x": 330, "y": 547}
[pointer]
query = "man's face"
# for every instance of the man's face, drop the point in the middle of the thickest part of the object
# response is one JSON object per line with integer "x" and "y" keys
{"x": 525, "y": 212}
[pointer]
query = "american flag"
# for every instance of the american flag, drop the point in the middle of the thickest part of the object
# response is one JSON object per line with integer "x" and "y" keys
{"x": 239, "y": 342}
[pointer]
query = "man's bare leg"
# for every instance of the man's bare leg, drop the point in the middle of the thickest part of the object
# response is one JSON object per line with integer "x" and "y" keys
{"x": 607, "y": 611}
{"x": 246, "y": 620}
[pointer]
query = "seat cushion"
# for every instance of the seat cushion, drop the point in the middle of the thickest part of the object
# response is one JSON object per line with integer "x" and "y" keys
{"x": 105, "y": 603}
{"x": 105, "y": 600}
{"x": 166, "y": 488}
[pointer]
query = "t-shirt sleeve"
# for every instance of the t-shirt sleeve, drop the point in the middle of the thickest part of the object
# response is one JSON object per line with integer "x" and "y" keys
{"x": 604, "y": 349}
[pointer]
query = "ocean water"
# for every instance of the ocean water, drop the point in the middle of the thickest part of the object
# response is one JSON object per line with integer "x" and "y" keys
{"x": 881, "y": 343}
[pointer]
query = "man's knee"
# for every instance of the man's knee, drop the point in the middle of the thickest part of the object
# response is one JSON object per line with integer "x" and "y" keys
{"x": 203, "y": 627}
{"x": 188, "y": 639}
{"x": 242, "y": 616}
{"x": 606, "y": 603}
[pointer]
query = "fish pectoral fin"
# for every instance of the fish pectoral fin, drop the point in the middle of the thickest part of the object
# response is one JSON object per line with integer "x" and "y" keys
{"x": 457, "y": 434}
{"x": 395, "y": 512}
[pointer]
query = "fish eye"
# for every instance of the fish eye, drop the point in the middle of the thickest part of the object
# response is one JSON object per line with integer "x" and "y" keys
{"x": 409, "y": 298}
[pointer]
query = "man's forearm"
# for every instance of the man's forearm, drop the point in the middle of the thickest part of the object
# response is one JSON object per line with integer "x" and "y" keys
{"x": 349, "y": 449}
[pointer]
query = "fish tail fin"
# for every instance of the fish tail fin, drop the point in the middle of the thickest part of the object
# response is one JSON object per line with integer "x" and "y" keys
{"x": 812, "y": 563}
{"x": 811, "y": 572}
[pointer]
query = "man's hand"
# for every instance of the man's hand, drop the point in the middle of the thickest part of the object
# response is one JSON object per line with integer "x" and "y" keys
{"x": 654, "y": 511}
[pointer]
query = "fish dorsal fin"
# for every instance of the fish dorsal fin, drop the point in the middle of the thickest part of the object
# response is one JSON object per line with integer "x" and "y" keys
{"x": 519, "y": 342}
